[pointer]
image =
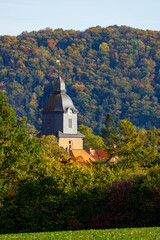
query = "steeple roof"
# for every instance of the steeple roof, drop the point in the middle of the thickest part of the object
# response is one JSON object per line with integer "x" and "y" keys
{"x": 59, "y": 86}
{"x": 59, "y": 101}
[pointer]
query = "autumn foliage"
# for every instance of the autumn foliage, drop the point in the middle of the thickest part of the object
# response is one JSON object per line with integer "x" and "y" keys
{"x": 107, "y": 70}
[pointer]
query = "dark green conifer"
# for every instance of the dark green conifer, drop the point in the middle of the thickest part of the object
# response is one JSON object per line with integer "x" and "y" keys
{"x": 109, "y": 131}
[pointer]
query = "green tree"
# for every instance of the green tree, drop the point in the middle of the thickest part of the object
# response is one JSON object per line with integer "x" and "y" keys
{"x": 109, "y": 131}
{"x": 51, "y": 151}
{"x": 131, "y": 148}
{"x": 91, "y": 140}
{"x": 19, "y": 154}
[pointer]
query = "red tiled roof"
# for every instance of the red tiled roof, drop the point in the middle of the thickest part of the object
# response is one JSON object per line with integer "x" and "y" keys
{"x": 84, "y": 156}
{"x": 102, "y": 154}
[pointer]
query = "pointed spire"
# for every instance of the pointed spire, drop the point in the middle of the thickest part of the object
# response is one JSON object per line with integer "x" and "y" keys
{"x": 59, "y": 85}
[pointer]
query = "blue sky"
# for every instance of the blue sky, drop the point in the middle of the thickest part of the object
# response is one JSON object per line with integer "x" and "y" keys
{"x": 17, "y": 16}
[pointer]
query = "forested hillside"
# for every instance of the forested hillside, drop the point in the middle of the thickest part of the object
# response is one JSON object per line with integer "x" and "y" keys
{"x": 107, "y": 70}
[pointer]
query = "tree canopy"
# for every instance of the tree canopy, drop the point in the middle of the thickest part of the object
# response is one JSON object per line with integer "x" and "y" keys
{"x": 43, "y": 189}
{"x": 19, "y": 154}
{"x": 91, "y": 140}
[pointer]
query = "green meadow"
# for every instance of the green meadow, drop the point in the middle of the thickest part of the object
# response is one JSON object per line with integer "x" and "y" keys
{"x": 126, "y": 233}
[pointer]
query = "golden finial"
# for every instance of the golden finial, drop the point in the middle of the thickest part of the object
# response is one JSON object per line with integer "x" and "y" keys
{"x": 59, "y": 64}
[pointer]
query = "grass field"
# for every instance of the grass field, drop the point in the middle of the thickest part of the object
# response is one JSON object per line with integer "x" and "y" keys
{"x": 127, "y": 233}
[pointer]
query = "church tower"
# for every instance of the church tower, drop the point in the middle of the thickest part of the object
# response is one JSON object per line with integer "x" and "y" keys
{"x": 59, "y": 118}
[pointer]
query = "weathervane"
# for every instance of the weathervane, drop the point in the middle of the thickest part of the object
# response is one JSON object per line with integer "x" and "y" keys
{"x": 59, "y": 64}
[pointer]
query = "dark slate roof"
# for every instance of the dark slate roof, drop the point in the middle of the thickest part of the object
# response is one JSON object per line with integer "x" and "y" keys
{"x": 59, "y": 86}
{"x": 59, "y": 101}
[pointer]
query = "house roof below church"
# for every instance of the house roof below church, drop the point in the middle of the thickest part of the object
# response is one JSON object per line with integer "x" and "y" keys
{"x": 84, "y": 156}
